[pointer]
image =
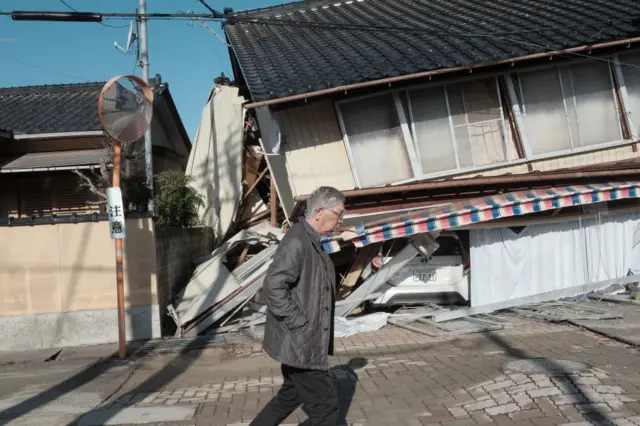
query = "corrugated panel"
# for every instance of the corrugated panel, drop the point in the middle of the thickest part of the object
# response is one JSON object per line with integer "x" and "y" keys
{"x": 315, "y": 152}
{"x": 50, "y": 160}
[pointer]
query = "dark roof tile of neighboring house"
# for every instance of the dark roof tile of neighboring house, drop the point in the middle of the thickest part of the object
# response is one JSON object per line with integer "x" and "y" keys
{"x": 57, "y": 108}
{"x": 50, "y": 109}
{"x": 314, "y": 45}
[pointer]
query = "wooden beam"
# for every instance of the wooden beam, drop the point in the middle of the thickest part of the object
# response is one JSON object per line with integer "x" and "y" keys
{"x": 255, "y": 183}
{"x": 273, "y": 201}
{"x": 364, "y": 255}
{"x": 243, "y": 255}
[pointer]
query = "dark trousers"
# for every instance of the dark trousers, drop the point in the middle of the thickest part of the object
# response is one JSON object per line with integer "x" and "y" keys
{"x": 316, "y": 390}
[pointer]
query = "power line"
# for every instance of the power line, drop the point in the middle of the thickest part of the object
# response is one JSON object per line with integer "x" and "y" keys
{"x": 42, "y": 68}
{"x": 112, "y": 15}
{"x": 101, "y": 23}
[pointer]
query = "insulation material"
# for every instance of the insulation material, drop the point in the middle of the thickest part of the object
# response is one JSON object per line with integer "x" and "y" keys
{"x": 348, "y": 327}
{"x": 216, "y": 159}
{"x": 507, "y": 265}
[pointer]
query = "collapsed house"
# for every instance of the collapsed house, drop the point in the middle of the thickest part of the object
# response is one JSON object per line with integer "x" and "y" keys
{"x": 484, "y": 172}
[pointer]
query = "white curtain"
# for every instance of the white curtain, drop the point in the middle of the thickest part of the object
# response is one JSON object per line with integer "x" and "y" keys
{"x": 506, "y": 265}
{"x": 596, "y": 114}
{"x": 376, "y": 140}
{"x": 546, "y": 121}
{"x": 432, "y": 130}
{"x": 569, "y": 107}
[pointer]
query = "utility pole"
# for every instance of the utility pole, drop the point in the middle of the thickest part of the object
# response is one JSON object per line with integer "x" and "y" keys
{"x": 144, "y": 63}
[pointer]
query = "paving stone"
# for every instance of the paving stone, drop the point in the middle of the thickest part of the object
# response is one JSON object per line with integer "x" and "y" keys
{"x": 570, "y": 399}
{"x": 523, "y": 400}
{"x": 549, "y": 391}
{"x": 527, "y": 415}
{"x": 481, "y": 405}
{"x": 617, "y": 390}
{"x": 458, "y": 412}
{"x": 593, "y": 408}
{"x": 499, "y": 385}
{"x": 522, "y": 388}
{"x": 502, "y": 409}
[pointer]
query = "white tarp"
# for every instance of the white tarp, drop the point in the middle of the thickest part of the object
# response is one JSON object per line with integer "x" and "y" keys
{"x": 344, "y": 327}
{"x": 506, "y": 265}
{"x": 215, "y": 161}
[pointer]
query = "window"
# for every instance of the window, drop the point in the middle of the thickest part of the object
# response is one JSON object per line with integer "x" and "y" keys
{"x": 376, "y": 141}
{"x": 459, "y": 126}
{"x": 631, "y": 74}
{"x": 569, "y": 107}
{"x": 444, "y": 128}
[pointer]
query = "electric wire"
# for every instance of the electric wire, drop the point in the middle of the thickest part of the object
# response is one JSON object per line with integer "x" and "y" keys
{"x": 101, "y": 23}
{"x": 42, "y": 68}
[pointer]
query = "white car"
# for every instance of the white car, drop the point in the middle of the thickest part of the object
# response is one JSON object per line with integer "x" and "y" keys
{"x": 443, "y": 279}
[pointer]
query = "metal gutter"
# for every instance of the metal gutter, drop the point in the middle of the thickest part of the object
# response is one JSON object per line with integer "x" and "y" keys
{"x": 424, "y": 74}
{"x": 60, "y": 135}
{"x": 480, "y": 181}
{"x": 49, "y": 169}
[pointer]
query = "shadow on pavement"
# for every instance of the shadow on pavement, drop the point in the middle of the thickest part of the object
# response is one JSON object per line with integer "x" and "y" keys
{"x": 65, "y": 387}
{"x": 554, "y": 369}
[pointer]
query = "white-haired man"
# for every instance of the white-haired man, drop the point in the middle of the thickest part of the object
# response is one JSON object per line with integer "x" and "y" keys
{"x": 300, "y": 294}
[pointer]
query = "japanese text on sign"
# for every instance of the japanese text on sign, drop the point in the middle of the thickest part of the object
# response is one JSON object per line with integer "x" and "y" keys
{"x": 115, "y": 211}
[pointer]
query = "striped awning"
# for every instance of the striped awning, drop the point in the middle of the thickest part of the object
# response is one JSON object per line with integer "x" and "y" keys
{"x": 482, "y": 209}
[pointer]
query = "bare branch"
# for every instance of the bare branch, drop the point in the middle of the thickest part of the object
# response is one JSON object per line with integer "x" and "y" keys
{"x": 87, "y": 183}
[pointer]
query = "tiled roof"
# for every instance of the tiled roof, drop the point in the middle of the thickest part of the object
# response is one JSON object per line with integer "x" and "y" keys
{"x": 51, "y": 160}
{"x": 50, "y": 109}
{"x": 57, "y": 108}
{"x": 314, "y": 45}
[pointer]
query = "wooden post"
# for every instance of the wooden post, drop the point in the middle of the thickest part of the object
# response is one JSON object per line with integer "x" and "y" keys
{"x": 273, "y": 201}
{"x": 122, "y": 334}
{"x": 364, "y": 255}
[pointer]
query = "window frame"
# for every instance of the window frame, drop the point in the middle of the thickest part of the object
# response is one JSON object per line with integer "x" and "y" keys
{"x": 408, "y": 132}
{"x": 634, "y": 128}
{"x": 520, "y": 114}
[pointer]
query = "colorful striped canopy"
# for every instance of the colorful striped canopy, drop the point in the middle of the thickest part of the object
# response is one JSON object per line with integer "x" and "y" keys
{"x": 482, "y": 209}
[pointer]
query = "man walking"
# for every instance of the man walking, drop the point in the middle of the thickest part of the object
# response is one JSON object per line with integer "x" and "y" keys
{"x": 300, "y": 295}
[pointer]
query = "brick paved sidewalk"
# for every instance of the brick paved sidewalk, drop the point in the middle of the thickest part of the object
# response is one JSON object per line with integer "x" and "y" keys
{"x": 411, "y": 379}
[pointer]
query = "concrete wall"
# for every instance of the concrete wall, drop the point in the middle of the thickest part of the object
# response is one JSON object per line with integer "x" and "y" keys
{"x": 57, "y": 284}
{"x": 178, "y": 251}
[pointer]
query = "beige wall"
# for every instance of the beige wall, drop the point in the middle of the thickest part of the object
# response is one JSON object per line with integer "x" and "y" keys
{"x": 316, "y": 154}
{"x": 71, "y": 267}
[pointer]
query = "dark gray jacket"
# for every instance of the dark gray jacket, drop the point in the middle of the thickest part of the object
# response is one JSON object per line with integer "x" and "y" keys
{"x": 300, "y": 292}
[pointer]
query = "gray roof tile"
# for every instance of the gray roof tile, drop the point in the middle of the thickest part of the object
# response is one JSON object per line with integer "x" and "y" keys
{"x": 313, "y": 45}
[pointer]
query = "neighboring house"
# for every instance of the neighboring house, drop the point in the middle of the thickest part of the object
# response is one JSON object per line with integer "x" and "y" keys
{"x": 55, "y": 130}
{"x": 368, "y": 93}
{"x": 57, "y": 263}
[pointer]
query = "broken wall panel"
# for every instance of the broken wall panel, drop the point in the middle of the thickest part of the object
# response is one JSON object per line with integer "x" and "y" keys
{"x": 216, "y": 159}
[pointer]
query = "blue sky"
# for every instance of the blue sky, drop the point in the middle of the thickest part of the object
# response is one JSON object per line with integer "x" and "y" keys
{"x": 187, "y": 57}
